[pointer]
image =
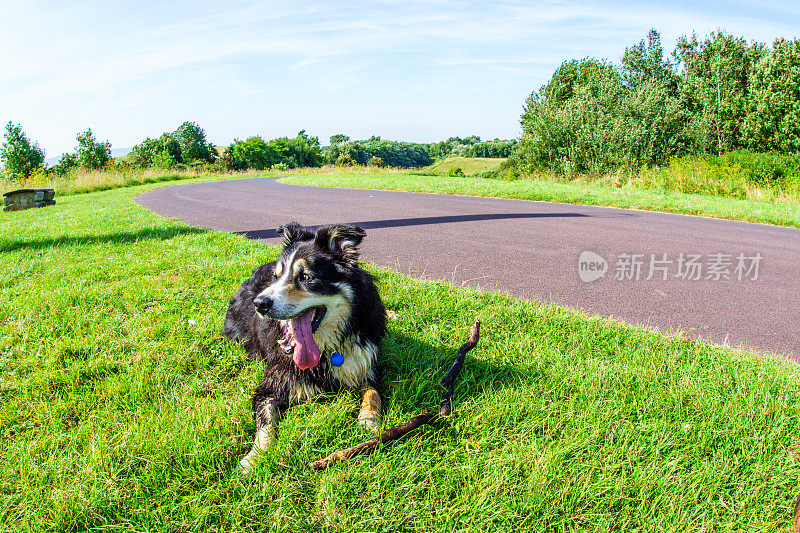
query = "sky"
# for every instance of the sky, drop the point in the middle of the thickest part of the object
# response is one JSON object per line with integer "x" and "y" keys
{"x": 417, "y": 71}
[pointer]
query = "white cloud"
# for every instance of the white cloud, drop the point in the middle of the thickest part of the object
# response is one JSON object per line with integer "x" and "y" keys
{"x": 96, "y": 58}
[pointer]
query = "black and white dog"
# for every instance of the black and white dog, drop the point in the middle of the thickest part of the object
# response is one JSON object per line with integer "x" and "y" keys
{"x": 317, "y": 321}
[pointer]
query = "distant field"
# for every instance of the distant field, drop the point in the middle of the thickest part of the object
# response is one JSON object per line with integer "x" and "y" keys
{"x": 470, "y": 165}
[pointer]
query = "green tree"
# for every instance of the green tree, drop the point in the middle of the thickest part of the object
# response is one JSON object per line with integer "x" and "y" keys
{"x": 644, "y": 63}
{"x": 715, "y": 88}
{"x": 339, "y": 138}
{"x": 143, "y": 154}
{"x": 193, "y": 145}
{"x": 773, "y": 120}
{"x": 65, "y": 163}
{"x": 91, "y": 154}
{"x": 302, "y": 151}
{"x": 253, "y": 153}
{"x": 574, "y": 123}
{"x": 19, "y": 157}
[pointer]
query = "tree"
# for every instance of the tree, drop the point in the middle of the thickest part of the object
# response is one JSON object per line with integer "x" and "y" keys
{"x": 91, "y": 154}
{"x": 18, "y": 155}
{"x": 644, "y": 63}
{"x": 143, "y": 154}
{"x": 192, "y": 141}
{"x": 66, "y": 163}
{"x": 715, "y": 88}
{"x": 773, "y": 120}
{"x": 575, "y": 122}
{"x": 339, "y": 138}
{"x": 253, "y": 153}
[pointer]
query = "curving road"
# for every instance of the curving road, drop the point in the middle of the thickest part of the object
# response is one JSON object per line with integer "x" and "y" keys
{"x": 532, "y": 250}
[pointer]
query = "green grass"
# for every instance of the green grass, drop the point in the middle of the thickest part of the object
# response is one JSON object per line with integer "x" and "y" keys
{"x": 568, "y": 192}
{"x": 124, "y": 409}
{"x": 469, "y": 165}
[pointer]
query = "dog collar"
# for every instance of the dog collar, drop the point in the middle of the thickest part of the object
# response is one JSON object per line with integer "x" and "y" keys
{"x": 337, "y": 359}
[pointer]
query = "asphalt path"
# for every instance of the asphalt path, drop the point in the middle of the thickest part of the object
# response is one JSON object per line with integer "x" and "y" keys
{"x": 733, "y": 283}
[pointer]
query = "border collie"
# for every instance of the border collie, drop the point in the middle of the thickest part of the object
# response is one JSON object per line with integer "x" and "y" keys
{"x": 316, "y": 320}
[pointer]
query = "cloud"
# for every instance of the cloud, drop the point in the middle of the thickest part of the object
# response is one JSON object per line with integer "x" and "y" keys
{"x": 112, "y": 57}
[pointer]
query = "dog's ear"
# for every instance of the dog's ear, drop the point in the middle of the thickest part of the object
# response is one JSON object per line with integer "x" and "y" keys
{"x": 294, "y": 232}
{"x": 341, "y": 240}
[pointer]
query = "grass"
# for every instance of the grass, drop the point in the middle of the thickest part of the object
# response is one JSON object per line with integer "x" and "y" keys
{"x": 571, "y": 192}
{"x": 124, "y": 409}
{"x": 469, "y": 165}
{"x": 84, "y": 181}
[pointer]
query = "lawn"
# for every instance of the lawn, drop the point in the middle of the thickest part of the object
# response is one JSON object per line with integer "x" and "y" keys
{"x": 770, "y": 212}
{"x": 125, "y": 409}
{"x": 468, "y": 165}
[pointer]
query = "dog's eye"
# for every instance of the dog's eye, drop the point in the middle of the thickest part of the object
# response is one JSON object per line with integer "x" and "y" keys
{"x": 305, "y": 277}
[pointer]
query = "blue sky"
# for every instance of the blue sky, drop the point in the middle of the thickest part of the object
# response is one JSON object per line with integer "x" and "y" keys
{"x": 419, "y": 71}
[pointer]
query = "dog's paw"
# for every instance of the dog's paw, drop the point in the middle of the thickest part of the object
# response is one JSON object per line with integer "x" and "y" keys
{"x": 369, "y": 420}
{"x": 245, "y": 465}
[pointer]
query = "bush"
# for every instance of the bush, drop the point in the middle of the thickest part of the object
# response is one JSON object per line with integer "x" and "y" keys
{"x": 593, "y": 116}
{"x": 731, "y": 174}
{"x": 65, "y": 164}
{"x": 143, "y": 153}
{"x": 252, "y": 153}
{"x": 488, "y": 174}
{"x": 344, "y": 161}
{"x": 456, "y": 171}
{"x": 255, "y": 153}
{"x": 164, "y": 161}
{"x": 771, "y": 169}
{"x": 390, "y": 153}
{"x": 302, "y": 151}
{"x": 375, "y": 161}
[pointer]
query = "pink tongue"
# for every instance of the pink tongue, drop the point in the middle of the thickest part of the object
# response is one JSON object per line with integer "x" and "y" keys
{"x": 306, "y": 352}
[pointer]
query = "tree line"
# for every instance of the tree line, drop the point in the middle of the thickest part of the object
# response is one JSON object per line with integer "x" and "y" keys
{"x": 712, "y": 96}
{"x": 187, "y": 147}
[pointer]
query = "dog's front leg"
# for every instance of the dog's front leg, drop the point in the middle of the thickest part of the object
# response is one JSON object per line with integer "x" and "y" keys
{"x": 267, "y": 415}
{"x": 370, "y": 414}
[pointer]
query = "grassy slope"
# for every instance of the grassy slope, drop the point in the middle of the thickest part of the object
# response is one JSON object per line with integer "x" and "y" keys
{"x": 124, "y": 408}
{"x": 573, "y": 193}
{"x": 469, "y": 165}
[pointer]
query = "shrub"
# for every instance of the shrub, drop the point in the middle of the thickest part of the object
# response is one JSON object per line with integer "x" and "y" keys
{"x": 390, "y": 153}
{"x": 488, "y": 174}
{"x": 143, "y": 153}
{"x": 375, "y": 161}
{"x": 456, "y": 171}
{"x": 164, "y": 161}
{"x": 253, "y": 153}
{"x": 344, "y": 161}
{"x": 65, "y": 164}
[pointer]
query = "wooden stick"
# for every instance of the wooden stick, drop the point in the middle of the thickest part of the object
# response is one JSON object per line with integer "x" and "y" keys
{"x": 417, "y": 420}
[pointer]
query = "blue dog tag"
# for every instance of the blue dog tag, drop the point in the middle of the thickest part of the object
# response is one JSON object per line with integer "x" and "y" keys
{"x": 337, "y": 359}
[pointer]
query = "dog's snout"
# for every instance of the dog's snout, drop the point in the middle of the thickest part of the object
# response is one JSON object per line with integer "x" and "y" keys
{"x": 263, "y": 303}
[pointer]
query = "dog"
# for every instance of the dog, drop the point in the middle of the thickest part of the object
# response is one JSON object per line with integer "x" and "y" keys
{"x": 316, "y": 320}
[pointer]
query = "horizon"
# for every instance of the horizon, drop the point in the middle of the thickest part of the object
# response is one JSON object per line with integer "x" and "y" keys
{"x": 410, "y": 71}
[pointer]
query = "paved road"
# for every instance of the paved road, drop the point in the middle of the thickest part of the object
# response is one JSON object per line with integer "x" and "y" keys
{"x": 532, "y": 250}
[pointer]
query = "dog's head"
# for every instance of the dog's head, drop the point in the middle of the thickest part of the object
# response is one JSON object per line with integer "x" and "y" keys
{"x": 311, "y": 287}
